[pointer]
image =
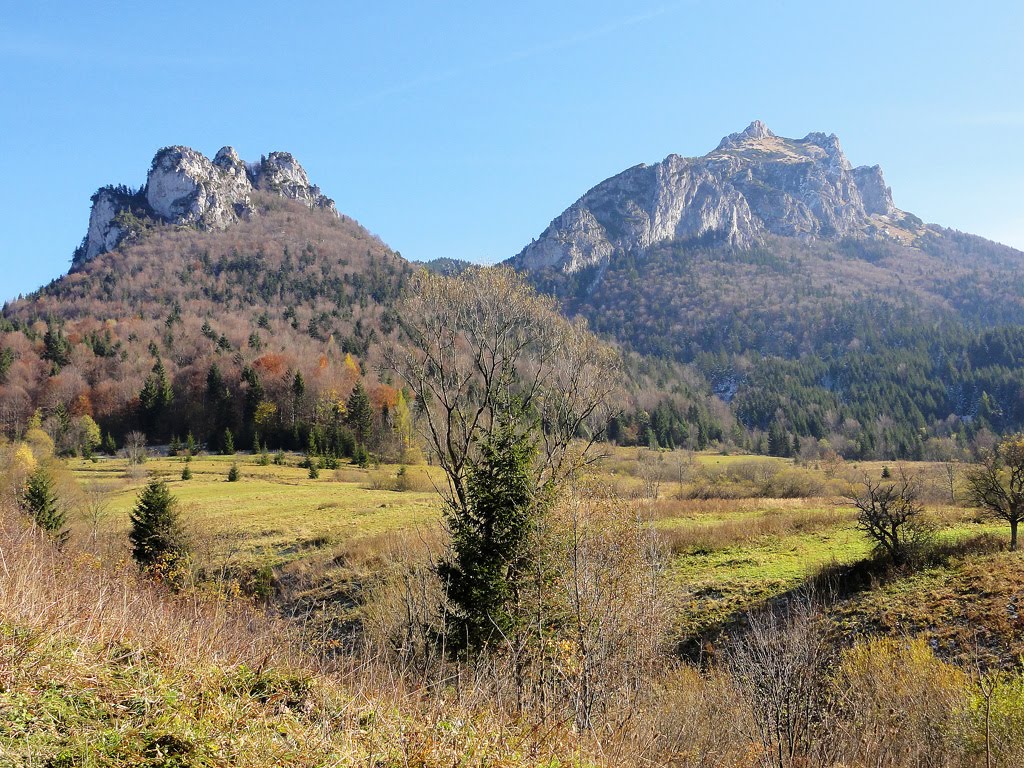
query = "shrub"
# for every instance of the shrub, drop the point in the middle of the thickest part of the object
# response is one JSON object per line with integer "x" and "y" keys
{"x": 402, "y": 479}
{"x": 314, "y": 473}
{"x": 233, "y": 474}
{"x": 186, "y": 473}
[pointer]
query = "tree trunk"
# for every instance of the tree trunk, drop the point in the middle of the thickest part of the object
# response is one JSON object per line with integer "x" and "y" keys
{"x": 1013, "y": 535}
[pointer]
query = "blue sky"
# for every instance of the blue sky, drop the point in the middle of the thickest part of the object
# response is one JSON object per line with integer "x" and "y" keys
{"x": 461, "y": 129}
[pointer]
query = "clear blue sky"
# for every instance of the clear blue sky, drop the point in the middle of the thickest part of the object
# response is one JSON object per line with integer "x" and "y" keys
{"x": 462, "y": 128}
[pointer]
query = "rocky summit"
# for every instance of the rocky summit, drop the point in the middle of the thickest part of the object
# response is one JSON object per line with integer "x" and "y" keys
{"x": 186, "y": 188}
{"x": 753, "y": 185}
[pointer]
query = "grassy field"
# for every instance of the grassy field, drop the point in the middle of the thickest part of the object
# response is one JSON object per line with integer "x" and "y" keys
{"x": 273, "y": 514}
{"x": 108, "y": 667}
{"x": 725, "y": 554}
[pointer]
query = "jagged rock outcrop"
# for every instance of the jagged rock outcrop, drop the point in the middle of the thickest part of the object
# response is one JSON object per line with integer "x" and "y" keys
{"x": 185, "y": 187}
{"x": 281, "y": 173}
{"x": 752, "y": 185}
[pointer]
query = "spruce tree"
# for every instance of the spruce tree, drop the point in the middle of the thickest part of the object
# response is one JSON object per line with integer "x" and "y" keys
{"x": 298, "y": 393}
{"x": 359, "y": 413}
{"x": 40, "y": 502}
{"x": 157, "y": 536}
{"x": 156, "y": 396}
{"x": 56, "y": 347}
{"x": 491, "y": 548}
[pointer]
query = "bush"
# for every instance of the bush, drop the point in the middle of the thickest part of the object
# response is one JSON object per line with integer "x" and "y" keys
{"x": 760, "y": 478}
{"x": 186, "y": 473}
{"x": 314, "y": 473}
{"x": 233, "y": 474}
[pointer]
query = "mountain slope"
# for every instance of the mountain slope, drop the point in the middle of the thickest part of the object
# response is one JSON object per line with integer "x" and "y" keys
{"x": 216, "y": 302}
{"x": 755, "y": 184}
{"x": 804, "y": 296}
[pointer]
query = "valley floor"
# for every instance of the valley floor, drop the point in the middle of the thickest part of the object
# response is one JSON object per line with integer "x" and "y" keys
{"x": 99, "y": 667}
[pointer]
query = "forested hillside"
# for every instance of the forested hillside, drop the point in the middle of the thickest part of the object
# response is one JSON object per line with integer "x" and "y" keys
{"x": 880, "y": 349}
{"x": 823, "y": 315}
{"x": 261, "y": 330}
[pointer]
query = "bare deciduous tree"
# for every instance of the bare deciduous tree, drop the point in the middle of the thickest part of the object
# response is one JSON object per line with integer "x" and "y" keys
{"x": 481, "y": 345}
{"x": 997, "y": 486}
{"x": 891, "y": 515}
{"x": 951, "y": 471}
{"x": 135, "y": 448}
{"x": 609, "y": 600}
{"x": 781, "y": 662}
{"x": 95, "y": 505}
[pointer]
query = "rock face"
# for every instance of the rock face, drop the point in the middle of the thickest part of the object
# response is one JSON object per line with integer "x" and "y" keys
{"x": 185, "y": 187}
{"x": 281, "y": 173}
{"x": 753, "y": 185}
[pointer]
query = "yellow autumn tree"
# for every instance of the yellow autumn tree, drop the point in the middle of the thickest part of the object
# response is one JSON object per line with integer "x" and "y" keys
{"x": 352, "y": 371}
{"x": 20, "y": 465}
{"x": 402, "y": 418}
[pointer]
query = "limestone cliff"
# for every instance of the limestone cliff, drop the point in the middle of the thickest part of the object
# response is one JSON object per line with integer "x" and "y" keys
{"x": 186, "y": 188}
{"x": 752, "y": 185}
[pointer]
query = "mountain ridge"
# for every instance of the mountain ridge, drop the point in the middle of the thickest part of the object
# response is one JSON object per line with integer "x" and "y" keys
{"x": 754, "y": 184}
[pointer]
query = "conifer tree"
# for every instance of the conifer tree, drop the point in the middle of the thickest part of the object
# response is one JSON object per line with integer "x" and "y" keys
{"x": 56, "y": 347}
{"x": 157, "y": 536}
{"x": 298, "y": 393}
{"x": 156, "y": 396}
{"x": 359, "y": 413}
{"x": 491, "y": 548}
{"x": 41, "y": 503}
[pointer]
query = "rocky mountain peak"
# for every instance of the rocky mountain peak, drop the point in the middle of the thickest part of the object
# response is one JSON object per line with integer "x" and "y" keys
{"x": 227, "y": 158}
{"x": 755, "y": 184}
{"x": 757, "y": 130}
{"x": 280, "y": 172}
{"x": 754, "y": 132}
{"x": 184, "y": 187}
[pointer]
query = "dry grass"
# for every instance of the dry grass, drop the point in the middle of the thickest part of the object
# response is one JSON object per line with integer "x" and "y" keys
{"x": 736, "y": 532}
{"x": 100, "y": 667}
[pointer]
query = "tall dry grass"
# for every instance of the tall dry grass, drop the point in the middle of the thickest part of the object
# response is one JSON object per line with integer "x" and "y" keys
{"x": 601, "y": 688}
{"x": 684, "y": 539}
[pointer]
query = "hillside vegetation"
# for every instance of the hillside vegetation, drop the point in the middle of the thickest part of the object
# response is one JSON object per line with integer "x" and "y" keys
{"x": 281, "y": 313}
{"x": 102, "y": 667}
{"x": 879, "y": 349}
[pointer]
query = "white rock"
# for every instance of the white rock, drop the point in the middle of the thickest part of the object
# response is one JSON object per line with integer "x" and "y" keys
{"x": 754, "y": 184}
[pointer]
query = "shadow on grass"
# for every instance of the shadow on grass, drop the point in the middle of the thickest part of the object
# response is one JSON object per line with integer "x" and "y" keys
{"x": 834, "y": 583}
